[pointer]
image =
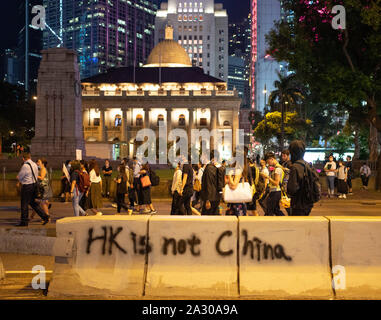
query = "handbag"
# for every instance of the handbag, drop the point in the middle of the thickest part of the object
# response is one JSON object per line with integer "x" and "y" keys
{"x": 38, "y": 191}
{"x": 145, "y": 181}
{"x": 285, "y": 201}
{"x": 242, "y": 194}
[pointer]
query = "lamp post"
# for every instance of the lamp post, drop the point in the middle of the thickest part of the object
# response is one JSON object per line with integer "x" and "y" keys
{"x": 264, "y": 106}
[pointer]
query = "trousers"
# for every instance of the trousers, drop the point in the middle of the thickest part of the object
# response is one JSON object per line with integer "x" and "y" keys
{"x": 28, "y": 199}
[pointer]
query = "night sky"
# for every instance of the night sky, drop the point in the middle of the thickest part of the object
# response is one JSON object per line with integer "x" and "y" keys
{"x": 11, "y": 20}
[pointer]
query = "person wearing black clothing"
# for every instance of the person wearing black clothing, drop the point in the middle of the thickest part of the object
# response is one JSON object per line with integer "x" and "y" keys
{"x": 186, "y": 191}
{"x": 211, "y": 188}
{"x": 107, "y": 172}
{"x": 349, "y": 167}
{"x": 299, "y": 206}
{"x": 286, "y": 164}
{"x": 121, "y": 188}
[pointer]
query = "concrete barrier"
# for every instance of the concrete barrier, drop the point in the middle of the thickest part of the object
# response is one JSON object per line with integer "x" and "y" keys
{"x": 356, "y": 256}
{"x": 107, "y": 258}
{"x": 192, "y": 256}
{"x": 284, "y": 257}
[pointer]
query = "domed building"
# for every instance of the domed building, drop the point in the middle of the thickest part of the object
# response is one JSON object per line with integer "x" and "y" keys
{"x": 167, "y": 90}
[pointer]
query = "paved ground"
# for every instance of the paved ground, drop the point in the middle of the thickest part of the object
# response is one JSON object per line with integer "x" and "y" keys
{"x": 17, "y": 284}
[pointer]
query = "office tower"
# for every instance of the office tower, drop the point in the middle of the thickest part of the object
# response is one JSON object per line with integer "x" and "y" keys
{"x": 104, "y": 33}
{"x": 269, "y": 11}
{"x": 8, "y": 66}
{"x": 237, "y": 77}
{"x": 201, "y": 27}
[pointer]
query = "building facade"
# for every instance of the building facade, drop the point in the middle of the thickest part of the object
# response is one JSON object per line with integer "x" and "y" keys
{"x": 104, "y": 33}
{"x": 167, "y": 91}
{"x": 9, "y": 66}
{"x": 201, "y": 27}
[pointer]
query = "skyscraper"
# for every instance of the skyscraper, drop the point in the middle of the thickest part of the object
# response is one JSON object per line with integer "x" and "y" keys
{"x": 201, "y": 27}
{"x": 8, "y": 66}
{"x": 105, "y": 33}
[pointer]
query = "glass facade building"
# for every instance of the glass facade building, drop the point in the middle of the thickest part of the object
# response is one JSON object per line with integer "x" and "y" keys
{"x": 105, "y": 33}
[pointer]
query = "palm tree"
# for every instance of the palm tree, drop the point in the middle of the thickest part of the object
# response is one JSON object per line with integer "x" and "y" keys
{"x": 286, "y": 95}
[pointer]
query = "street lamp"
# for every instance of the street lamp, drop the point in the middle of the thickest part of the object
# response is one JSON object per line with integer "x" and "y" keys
{"x": 264, "y": 106}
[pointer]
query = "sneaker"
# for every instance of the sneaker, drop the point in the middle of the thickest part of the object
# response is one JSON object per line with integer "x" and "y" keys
{"x": 350, "y": 194}
{"x": 344, "y": 196}
{"x": 114, "y": 205}
{"x": 341, "y": 196}
{"x": 153, "y": 212}
{"x": 99, "y": 213}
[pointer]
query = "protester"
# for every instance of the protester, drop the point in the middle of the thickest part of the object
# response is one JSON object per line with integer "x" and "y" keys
{"x": 65, "y": 183}
{"x": 286, "y": 164}
{"x": 186, "y": 190}
{"x": 136, "y": 169}
{"x": 342, "y": 186}
{"x": 210, "y": 192}
{"x": 265, "y": 173}
{"x": 365, "y": 173}
{"x": 275, "y": 181}
{"x": 235, "y": 177}
{"x": 349, "y": 166}
{"x": 256, "y": 180}
{"x": 83, "y": 203}
{"x": 296, "y": 186}
{"x": 27, "y": 177}
{"x": 176, "y": 189}
{"x": 107, "y": 173}
{"x": 330, "y": 169}
{"x": 47, "y": 193}
{"x": 76, "y": 194}
{"x": 144, "y": 194}
{"x": 121, "y": 188}
{"x": 95, "y": 193}
{"x": 130, "y": 185}
{"x": 198, "y": 170}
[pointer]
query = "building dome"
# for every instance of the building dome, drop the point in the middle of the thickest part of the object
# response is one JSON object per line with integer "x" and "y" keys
{"x": 168, "y": 53}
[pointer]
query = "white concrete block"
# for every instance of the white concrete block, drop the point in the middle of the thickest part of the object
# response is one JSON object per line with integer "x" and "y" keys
{"x": 356, "y": 253}
{"x": 284, "y": 257}
{"x": 192, "y": 256}
{"x": 108, "y": 259}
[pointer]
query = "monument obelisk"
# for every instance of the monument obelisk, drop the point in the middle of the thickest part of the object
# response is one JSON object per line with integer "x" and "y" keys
{"x": 58, "y": 126}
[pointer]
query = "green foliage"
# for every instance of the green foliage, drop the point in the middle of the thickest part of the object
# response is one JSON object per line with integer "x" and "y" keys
{"x": 294, "y": 127}
{"x": 341, "y": 143}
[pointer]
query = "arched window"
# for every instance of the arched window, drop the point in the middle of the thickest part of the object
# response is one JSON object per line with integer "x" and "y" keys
{"x": 139, "y": 120}
{"x": 160, "y": 117}
{"x": 226, "y": 123}
{"x": 118, "y": 120}
{"x": 181, "y": 120}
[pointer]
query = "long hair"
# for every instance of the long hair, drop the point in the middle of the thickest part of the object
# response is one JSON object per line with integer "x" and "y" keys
{"x": 122, "y": 171}
{"x": 93, "y": 165}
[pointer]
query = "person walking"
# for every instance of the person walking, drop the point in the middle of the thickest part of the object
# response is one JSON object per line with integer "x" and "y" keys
{"x": 330, "y": 170}
{"x": 121, "y": 188}
{"x": 27, "y": 177}
{"x": 349, "y": 167}
{"x": 83, "y": 203}
{"x": 300, "y": 205}
{"x": 144, "y": 196}
{"x": 275, "y": 181}
{"x": 136, "y": 167}
{"x": 365, "y": 173}
{"x": 255, "y": 180}
{"x": 130, "y": 186}
{"x": 186, "y": 190}
{"x": 210, "y": 188}
{"x": 342, "y": 176}
{"x": 107, "y": 172}
{"x": 47, "y": 194}
{"x": 65, "y": 183}
{"x": 75, "y": 192}
{"x": 95, "y": 193}
{"x": 176, "y": 189}
{"x": 234, "y": 178}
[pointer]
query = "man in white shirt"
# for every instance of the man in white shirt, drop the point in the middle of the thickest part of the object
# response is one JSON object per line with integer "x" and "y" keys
{"x": 176, "y": 190}
{"x": 27, "y": 177}
{"x": 365, "y": 173}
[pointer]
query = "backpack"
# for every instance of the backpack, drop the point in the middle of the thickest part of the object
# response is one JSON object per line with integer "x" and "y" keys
{"x": 311, "y": 187}
{"x": 84, "y": 182}
{"x": 155, "y": 179}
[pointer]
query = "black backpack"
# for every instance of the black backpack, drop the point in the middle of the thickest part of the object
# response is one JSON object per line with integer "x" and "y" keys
{"x": 155, "y": 179}
{"x": 311, "y": 187}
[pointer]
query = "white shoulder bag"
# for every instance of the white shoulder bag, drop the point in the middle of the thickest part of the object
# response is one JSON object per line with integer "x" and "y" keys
{"x": 242, "y": 194}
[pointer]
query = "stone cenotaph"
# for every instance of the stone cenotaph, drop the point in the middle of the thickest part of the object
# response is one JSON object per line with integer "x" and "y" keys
{"x": 58, "y": 126}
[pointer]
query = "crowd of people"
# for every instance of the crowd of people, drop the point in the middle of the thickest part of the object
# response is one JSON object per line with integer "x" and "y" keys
{"x": 201, "y": 189}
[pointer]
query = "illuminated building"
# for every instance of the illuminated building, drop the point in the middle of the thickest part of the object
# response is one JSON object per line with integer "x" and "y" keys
{"x": 117, "y": 104}
{"x": 104, "y": 33}
{"x": 201, "y": 27}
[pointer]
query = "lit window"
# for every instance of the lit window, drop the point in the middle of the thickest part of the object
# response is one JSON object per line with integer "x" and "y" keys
{"x": 203, "y": 122}
{"x": 118, "y": 120}
{"x": 181, "y": 120}
{"x": 97, "y": 122}
{"x": 160, "y": 117}
{"x": 139, "y": 120}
